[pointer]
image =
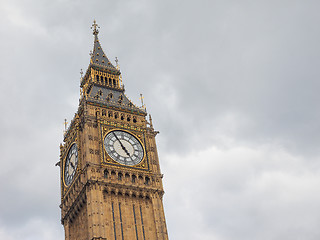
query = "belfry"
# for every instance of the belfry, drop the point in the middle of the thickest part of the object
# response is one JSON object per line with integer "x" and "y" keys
{"x": 111, "y": 183}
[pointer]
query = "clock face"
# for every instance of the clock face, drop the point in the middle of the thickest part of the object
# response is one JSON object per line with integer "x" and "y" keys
{"x": 71, "y": 164}
{"x": 123, "y": 147}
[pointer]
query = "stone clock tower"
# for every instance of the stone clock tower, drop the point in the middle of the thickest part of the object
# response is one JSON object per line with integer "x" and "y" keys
{"x": 111, "y": 184}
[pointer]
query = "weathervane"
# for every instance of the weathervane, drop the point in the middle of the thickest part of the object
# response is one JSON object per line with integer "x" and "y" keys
{"x": 95, "y": 28}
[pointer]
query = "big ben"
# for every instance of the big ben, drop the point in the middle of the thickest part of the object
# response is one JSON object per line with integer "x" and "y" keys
{"x": 111, "y": 183}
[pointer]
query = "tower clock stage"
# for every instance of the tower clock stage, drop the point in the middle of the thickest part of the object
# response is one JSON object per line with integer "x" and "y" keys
{"x": 111, "y": 183}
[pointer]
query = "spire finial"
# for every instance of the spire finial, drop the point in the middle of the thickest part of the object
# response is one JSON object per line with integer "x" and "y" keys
{"x": 117, "y": 63}
{"x": 141, "y": 98}
{"x": 65, "y": 125}
{"x": 95, "y": 28}
{"x": 150, "y": 121}
{"x": 143, "y": 106}
{"x": 81, "y": 74}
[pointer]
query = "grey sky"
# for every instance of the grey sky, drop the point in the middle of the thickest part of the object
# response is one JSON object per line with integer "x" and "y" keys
{"x": 232, "y": 87}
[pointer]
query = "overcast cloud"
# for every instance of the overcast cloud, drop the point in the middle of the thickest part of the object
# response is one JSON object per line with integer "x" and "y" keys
{"x": 232, "y": 86}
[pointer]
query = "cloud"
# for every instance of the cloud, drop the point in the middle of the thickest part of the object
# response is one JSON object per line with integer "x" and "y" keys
{"x": 33, "y": 229}
{"x": 261, "y": 193}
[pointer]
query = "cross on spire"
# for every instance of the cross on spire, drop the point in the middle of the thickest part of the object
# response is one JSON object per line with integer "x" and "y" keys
{"x": 95, "y": 28}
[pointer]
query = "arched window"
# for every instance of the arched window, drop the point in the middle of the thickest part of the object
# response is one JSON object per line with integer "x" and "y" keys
{"x": 134, "y": 178}
{"x": 105, "y": 173}
{"x": 120, "y": 176}
{"x": 147, "y": 181}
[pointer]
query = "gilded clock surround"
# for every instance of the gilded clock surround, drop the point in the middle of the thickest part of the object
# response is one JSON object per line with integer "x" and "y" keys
{"x": 106, "y": 159}
{"x": 108, "y": 200}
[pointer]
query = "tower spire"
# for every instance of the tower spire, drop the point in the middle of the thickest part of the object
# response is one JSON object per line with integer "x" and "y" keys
{"x": 98, "y": 57}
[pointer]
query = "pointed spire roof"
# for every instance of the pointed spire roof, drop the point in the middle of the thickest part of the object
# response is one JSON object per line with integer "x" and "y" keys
{"x": 98, "y": 57}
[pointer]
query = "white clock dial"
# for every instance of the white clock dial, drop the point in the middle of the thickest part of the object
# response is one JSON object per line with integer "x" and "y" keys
{"x": 123, "y": 147}
{"x": 71, "y": 164}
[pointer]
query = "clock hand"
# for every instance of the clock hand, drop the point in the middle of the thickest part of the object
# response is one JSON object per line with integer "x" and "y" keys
{"x": 72, "y": 166}
{"x": 123, "y": 147}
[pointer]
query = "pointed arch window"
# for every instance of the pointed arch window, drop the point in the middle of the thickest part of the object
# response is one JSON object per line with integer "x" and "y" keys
{"x": 120, "y": 175}
{"x": 134, "y": 177}
{"x": 105, "y": 173}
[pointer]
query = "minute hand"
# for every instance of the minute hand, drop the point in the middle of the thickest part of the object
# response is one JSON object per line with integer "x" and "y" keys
{"x": 123, "y": 147}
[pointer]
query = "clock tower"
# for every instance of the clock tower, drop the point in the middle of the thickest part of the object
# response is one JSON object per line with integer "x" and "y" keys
{"x": 111, "y": 183}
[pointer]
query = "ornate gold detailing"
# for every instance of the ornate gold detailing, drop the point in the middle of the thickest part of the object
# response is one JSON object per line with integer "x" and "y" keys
{"x": 106, "y": 159}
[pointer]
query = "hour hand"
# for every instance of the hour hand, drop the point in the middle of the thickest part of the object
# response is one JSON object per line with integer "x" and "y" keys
{"x": 124, "y": 149}
{"x": 72, "y": 166}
